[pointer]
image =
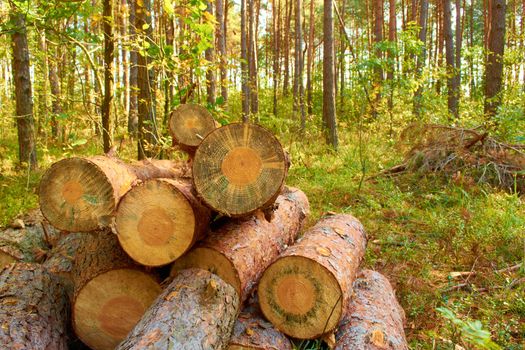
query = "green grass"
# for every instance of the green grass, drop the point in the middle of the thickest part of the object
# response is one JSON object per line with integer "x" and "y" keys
{"x": 421, "y": 227}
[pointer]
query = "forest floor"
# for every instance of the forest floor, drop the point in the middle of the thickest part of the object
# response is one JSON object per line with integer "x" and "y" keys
{"x": 423, "y": 228}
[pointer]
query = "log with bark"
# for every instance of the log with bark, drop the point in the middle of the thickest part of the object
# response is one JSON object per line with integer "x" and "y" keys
{"x": 160, "y": 220}
{"x": 240, "y": 250}
{"x": 239, "y": 168}
{"x": 60, "y": 259}
{"x": 33, "y": 309}
{"x": 111, "y": 292}
{"x": 189, "y": 125}
{"x": 251, "y": 331}
{"x": 196, "y": 311}
{"x": 81, "y": 194}
{"x": 374, "y": 319}
{"x": 305, "y": 292}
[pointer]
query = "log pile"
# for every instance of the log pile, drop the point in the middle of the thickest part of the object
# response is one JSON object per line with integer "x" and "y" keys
{"x": 224, "y": 235}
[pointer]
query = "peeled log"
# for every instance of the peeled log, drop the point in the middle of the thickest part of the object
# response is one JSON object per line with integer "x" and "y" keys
{"x": 239, "y": 251}
{"x": 81, "y": 194}
{"x": 196, "y": 311}
{"x": 374, "y": 320}
{"x": 239, "y": 168}
{"x": 33, "y": 309}
{"x": 112, "y": 293}
{"x": 189, "y": 125}
{"x": 160, "y": 220}
{"x": 305, "y": 292}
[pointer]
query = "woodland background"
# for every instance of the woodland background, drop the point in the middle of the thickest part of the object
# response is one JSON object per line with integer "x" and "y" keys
{"x": 347, "y": 86}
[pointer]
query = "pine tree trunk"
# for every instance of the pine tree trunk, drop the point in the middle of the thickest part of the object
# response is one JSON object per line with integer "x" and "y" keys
{"x": 221, "y": 40}
{"x": 211, "y": 79}
{"x": 253, "y": 65}
{"x": 133, "y": 74}
{"x": 374, "y": 319}
{"x": 111, "y": 292}
{"x": 245, "y": 94}
{"x": 196, "y": 311}
{"x": 310, "y": 63}
{"x": 422, "y": 57}
{"x": 239, "y": 251}
{"x": 34, "y": 311}
{"x": 298, "y": 78}
{"x": 23, "y": 94}
{"x": 329, "y": 116}
{"x": 109, "y": 56}
{"x": 305, "y": 292}
{"x": 452, "y": 87}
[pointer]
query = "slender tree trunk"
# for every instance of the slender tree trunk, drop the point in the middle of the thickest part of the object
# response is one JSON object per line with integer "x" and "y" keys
{"x": 133, "y": 74}
{"x": 457, "y": 71}
{"x": 378, "y": 38}
{"x": 125, "y": 56}
{"x": 452, "y": 88}
{"x": 310, "y": 63}
{"x": 244, "y": 65}
{"x": 275, "y": 37}
{"x": 221, "y": 44}
{"x": 147, "y": 128}
{"x": 423, "y": 15}
{"x": 298, "y": 78}
{"x": 253, "y": 65}
{"x": 329, "y": 114}
{"x": 494, "y": 63}
{"x": 23, "y": 94}
{"x": 287, "y": 35}
{"x": 211, "y": 80}
{"x": 109, "y": 55}
{"x": 56, "y": 98}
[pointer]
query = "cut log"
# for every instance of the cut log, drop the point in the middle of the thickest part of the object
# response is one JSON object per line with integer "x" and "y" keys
{"x": 239, "y": 251}
{"x": 159, "y": 221}
{"x": 34, "y": 309}
{"x": 196, "y": 311}
{"x": 111, "y": 292}
{"x": 60, "y": 259}
{"x": 81, "y": 194}
{"x": 251, "y": 331}
{"x": 239, "y": 168}
{"x": 305, "y": 292}
{"x": 26, "y": 244}
{"x": 374, "y": 319}
{"x": 189, "y": 125}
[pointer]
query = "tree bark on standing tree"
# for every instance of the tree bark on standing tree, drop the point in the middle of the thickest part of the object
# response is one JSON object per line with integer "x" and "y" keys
{"x": 329, "y": 116}
{"x": 452, "y": 87}
{"x": 133, "y": 74}
{"x": 211, "y": 80}
{"x": 423, "y": 16}
{"x": 298, "y": 78}
{"x": 245, "y": 94}
{"x": 253, "y": 65}
{"x": 494, "y": 63}
{"x": 109, "y": 56}
{"x": 221, "y": 45}
{"x": 310, "y": 63}
{"x": 24, "y": 99}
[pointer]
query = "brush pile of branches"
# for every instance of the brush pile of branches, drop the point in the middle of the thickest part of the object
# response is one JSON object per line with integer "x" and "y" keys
{"x": 455, "y": 151}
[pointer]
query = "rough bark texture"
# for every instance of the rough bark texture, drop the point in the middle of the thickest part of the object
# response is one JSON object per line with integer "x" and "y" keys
{"x": 245, "y": 87}
{"x": 329, "y": 115}
{"x": 196, "y": 311}
{"x": 34, "y": 309}
{"x": 374, "y": 318}
{"x": 240, "y": 251}
{"x": 252, "y": 331}
{"x": 111, "y": 293}
{"x": 61, "y": 258}
{"x": 109, "y": 55}
{"x": 211, "y": 77}
{"x": 452, "y": 87}
{"x": 160, "y": 220}
{"x": 305, "y": 292}
{"x": 81, "y": 194}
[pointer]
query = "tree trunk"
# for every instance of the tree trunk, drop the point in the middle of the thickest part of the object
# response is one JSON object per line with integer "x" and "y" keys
{"x": 125, "y": 56}
{"x": 211, "y": 79}
{"x": 288, "y": 4}
{"x": 392, "y": 30}
{"x": 305, "y": 293}
{"x": 109, "y": 56}
{"x": 239, "y": 168}
{"x": 374, "y": 318}
{"x": 189, "y": 125}
{"x": 239, "y": 251}
{"x": 329, "y": 117}
{"x": 147, "y": 125}
{"x": 253, "y": 64}
{"x": 423, "y": 16}
{"x": 82, "y": 194}
{"x": 34, "y": 311}
{"x": 111, "y": 292}
{"x": 133, "y": 74}
{"x": 452, "y": 87}
{"x": 56, "y": 100}
{"x": 221, "y": 44}
{"x": 310, "y": 63}
{"x": 276, "y": 12}
{"x": 245, "y": 93}
{"x": 494, "y": 63}
{"x": 23, "y": 94}
{"x": 298, "y": 78}
{"x": 459, "y": 35}
{"x": 378, "y": 38}
{"x": 159, "y": 221}
{"x": 196, "y": 311}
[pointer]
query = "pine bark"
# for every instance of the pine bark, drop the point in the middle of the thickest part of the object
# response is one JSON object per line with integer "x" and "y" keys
{"x": 494, "y": 63}
{"x": 310, "y": 62}
{"x": 299, "y": 65}
{"x": 197, "y": 310}
{"x": 211, "y": 78}
{"x": 239, "y": 251}
{"x": 329, "y": 112}
{"x": 34, "y": 311}
{"x": 245, "y": 85}
{"x": 109, "y": 56}
{"x": 221, "y": 45}
{"x": 253, "y": 56}
{"x": 23, "y": 94}
{"x": 423, "y": 17}
{"x": 374, "y": 319}
{"x": 452, "y": 87}
{"x": 306, "y": 291}
{"x": 133, "y": 74}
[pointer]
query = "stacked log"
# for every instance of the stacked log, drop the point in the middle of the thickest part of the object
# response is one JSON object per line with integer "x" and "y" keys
{"x": 241, "y": 250}
{"x": 111, "y": 294}
{"x": 374, "y": 319}
{"x": 81, "y": 194}
{"x": 34, "y": 309}
{"x": 307, "y": 290}
{"x": 196, "y": 311}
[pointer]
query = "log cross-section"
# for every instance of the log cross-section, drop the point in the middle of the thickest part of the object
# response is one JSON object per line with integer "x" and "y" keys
{"x": 189, "y": 125}
{"x": 305, "y": 292}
